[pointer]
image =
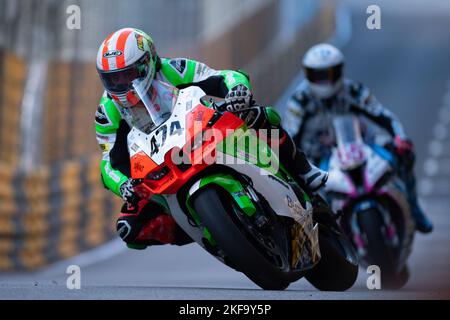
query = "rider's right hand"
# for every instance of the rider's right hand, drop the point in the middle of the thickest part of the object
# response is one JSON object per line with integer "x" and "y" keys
{"x": 128, "y": 192}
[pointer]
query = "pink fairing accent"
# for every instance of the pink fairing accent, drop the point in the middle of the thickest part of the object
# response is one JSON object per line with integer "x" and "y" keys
{"x": 403, "y": 145}
{"x": 390, "y": 231}
{"x": 367, "y": 186}
{"x": 351, "y": 155}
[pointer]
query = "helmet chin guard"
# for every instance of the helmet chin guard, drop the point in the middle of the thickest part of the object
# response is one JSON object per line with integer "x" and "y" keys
{"x": 326, "y": 90}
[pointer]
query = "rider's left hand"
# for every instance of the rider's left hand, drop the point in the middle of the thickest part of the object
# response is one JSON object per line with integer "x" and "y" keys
{"x": 403, "y": 145}
{"x": 238, "y": 98}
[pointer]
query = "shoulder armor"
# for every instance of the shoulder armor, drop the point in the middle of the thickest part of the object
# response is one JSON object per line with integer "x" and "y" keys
{"x": 107, "y": 116}
{"x": 178, "y": 70}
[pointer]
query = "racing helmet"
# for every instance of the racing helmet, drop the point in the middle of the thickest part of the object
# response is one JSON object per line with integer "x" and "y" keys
{"x": 323, "y": 66}
{"x": 126, "y": 55}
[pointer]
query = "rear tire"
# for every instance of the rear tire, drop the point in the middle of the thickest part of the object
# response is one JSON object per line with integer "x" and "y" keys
{"x": 214, "y": 211}
{"x": 379, "y": 253}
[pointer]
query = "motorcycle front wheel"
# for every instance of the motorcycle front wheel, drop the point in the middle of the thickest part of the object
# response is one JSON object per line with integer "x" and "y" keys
{"x": 215, "y": 209}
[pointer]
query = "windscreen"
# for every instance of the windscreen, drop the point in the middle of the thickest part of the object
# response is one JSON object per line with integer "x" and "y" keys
{"x": 349, "y": 141}
{"x": 159, "y": 99}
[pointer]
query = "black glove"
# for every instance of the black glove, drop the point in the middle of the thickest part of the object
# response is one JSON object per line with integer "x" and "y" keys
{"x": 238, "y": 98}
{"x": 127, "y": 191}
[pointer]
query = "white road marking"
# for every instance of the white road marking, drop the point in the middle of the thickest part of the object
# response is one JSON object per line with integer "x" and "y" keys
{"x": 87, "y": 258}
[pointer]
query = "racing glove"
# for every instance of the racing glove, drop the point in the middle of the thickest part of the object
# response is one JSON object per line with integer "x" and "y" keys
{"x": 128, "y": 190}
{"x": 238, "y": 98}
{"x": 404, "y": 149}
{"x": 403, "y": 146}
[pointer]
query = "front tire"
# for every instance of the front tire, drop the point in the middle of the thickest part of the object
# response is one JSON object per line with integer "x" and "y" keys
{"x": 215, "y": 213}
{"x": 379, "y": 252}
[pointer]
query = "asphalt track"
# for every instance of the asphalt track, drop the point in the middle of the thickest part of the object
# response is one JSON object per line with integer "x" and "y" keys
{"x": 406, "y": 64}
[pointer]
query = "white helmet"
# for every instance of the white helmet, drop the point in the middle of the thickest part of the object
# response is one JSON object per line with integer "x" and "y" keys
{"x": 126, "y": 55}
{"x": 323, "y": 65}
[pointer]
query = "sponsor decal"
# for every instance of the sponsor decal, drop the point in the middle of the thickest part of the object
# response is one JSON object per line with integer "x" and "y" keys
{"x": 203, "y": 71}
{"x": 101, "y": 118}
{"x": 199, "y": 116}
{"x": 134, "y": 147}
{"x": 112, "y": 54}
{"x": 103, "y": 138}
{"x": 239, "y": 194}
{"x": 179, "y": 65}
{"x": 294, "y": 205}
{"x": 201, "y": 68}
{"x": 140, "y": 41}
{"x": 104, "y": 147}
{"x": 189, "y": 105}
{"x": 138, "y": 167}
{"x": 112, "y": 174}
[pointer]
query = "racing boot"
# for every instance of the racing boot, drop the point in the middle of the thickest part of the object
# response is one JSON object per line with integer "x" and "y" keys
{"x": 145, "y": 223}
{"x": 297, "y": 163}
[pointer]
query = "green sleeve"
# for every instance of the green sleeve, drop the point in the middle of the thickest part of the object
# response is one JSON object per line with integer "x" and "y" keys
{"x": 181, "y": 71}
{"x": 112, "y": 179}
{"x": 107, "y": 120}
{"x": 234, "y": 78}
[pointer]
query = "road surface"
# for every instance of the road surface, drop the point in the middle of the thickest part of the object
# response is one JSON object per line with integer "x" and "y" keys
{"x": 407, "y": 66}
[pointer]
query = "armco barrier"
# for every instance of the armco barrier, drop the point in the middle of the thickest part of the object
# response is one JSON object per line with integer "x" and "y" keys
{"x": 13, "y": 70}
{"x": 53, "y": 213}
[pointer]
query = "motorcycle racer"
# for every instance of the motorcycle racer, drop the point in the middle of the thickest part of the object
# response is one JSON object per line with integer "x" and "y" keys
{"x": 129, "y": 54}
{"x": 325, "y": 93}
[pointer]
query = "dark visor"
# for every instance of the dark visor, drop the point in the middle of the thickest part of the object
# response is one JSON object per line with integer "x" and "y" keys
{"x": 328, "y": 75}
{"x": 119, "y": 81}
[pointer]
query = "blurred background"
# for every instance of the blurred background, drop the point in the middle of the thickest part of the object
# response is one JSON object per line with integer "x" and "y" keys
{"x": 52, "y": 204}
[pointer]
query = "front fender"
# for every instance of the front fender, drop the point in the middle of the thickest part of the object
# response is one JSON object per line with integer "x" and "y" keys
{"x": 229, "y": 184}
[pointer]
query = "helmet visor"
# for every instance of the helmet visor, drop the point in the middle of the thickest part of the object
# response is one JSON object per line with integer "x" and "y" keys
{"x": 120, "y": 81}
{"x": 324, "y": 76}
{"x": 158, "y": 98}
